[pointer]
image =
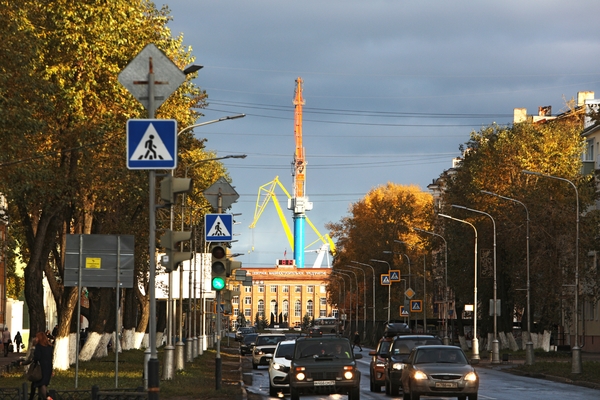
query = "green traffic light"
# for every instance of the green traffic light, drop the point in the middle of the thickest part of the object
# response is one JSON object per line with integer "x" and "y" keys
{"x": 218, "y": 283}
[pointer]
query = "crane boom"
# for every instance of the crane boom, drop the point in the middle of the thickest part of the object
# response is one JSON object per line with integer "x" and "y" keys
{"x": 299, "y": 168}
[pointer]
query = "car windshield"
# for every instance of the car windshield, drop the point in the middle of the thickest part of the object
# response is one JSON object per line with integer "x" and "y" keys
{"x": 384, "y": 348}
{"x": 250, "y": 338}
{"x": 440, "y": 355}
{"x": 403, "y": 346}
{"x": 265, "y": 340}
{"x": 285, "y": 350}
{"x": 318, "y": 349}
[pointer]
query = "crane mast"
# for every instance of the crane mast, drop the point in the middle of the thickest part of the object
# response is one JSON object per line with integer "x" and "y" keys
{"x": 299, "y": 203}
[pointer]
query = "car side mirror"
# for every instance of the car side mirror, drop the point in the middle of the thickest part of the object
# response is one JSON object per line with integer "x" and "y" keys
{"x": 357, "y": 356}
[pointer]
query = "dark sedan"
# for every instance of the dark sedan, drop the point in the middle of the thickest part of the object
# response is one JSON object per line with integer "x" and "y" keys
{"x": 440, "y": 371}
{"x": 247, "y": 343}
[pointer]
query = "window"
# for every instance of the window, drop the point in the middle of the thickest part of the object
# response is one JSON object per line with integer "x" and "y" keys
{"x": 286, "y": 307}
{"x": 261, "y": 308}
{"x": 248, "y": 312}
{"x": 588, "y": 155}
{"x": 247, "y": 300}
{"x": 323, "y": 288}
{"x": 273, "y": 309}
{"x": 323, "y": 301}
{"x": 297, "y": 309}
{"x": 236, "y": 312}
{"x": 236, "y": 288}
{"x": 309, "y": 308}
{"x": 273, "y": 289}
{"x": 310, "y": 289}
{"x": 286, "y": 288}
{"x": 297, "y": 289}
{"x": 247, "y": 289}
{"x": 322, "y": 313}
{"x": 235, "y": 300}
{"x": 261, "y": 288}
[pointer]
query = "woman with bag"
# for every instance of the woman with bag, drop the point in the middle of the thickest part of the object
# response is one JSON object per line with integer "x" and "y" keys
{"x": 43, "y": 353}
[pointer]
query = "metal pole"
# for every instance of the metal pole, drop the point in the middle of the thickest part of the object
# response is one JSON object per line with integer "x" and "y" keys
{"x": 576, "y": 367}
{"x": 495, "y": 343}
{"x": 529, "y": 353}
{"x": 364, "y": 300}
{"x": 389, "y": 286}
{"x": 446, "y": 339}
{"x": 424, "y": 296}
{"x": 372, "y": 269}
{"x": 475, "y": 341}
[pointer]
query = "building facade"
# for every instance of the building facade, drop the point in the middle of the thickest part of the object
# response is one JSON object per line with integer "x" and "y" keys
{"x": 282, "y": 295}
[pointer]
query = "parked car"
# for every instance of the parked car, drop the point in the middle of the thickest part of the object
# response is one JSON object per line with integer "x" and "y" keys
{"x": 440, "y": 371}
{"x": 247, "y": 343}
{"x": 241, "y": 332}
{"x": 264, "y": 347}
{"x": 279, "y": 367}
{"x": 324, "y": 365}
{"x": 399, "y": 351}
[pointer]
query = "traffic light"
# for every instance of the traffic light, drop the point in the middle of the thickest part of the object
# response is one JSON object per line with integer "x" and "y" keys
{"x": 173, "y": 257}
{"x": 170, "y": 186}
{"x": 231, "y": 266}
{"x": 226, "y": 297}
{"x": 218, "y": 266}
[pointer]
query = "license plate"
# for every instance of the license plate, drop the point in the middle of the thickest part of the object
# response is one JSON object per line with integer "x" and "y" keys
{"x": 446, "y": 385}
{"x": 324, "y": 383}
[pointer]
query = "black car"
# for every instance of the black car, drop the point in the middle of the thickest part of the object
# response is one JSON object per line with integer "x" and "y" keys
{"x": 324, "y": 365}
{"x": 247, "y": 343}
{"x": 241, "y": 332}
{"x": 398, "y": 352}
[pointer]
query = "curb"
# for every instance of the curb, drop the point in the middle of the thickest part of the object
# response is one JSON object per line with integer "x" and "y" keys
{"x": 553, "y": 378}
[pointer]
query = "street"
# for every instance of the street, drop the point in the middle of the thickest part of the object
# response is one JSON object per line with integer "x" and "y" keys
{"x": 494, "y": 385}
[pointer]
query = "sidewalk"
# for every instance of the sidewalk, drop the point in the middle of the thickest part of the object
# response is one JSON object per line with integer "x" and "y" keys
{"x": 5, "y": 362}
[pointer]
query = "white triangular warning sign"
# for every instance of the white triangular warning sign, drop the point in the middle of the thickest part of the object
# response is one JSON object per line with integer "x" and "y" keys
{"x": 151, "y": 147}
{"x": 394, "y": 276}
{"x": 416, "y": 306}
{"x": 218, "y": 229}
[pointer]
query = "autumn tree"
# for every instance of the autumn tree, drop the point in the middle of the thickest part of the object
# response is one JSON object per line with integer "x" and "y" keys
{"x": 494, "y": 159}
{"x": 387, "y": 213}
{"x": 63, "y": 117}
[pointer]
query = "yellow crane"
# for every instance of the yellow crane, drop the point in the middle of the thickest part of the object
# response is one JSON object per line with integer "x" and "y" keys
{"x": 266, "y": 194}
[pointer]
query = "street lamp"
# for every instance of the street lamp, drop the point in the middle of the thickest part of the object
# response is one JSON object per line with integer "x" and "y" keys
{"x": 350, "y": 280}
{"x": 529, "y": 354}
{"x": 357, "y": 315}
{"x": 339, "y": 299}
{"x": 389, "y": 286}
{"x": 495, "y": 344}
{"x": 475, "y": 341}
{"x": 576, "y": 367}
{"x": 373, "y": 270}
{"x": 446, "y": 339}
{"x": 364, "y": 299}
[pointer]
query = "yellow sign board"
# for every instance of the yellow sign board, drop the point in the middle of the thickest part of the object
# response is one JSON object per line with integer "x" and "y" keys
{"x": 93, "y": 262}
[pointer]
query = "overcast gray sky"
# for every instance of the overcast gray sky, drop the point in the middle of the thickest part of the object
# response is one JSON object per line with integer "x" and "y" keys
{"x": 392, "y": 88}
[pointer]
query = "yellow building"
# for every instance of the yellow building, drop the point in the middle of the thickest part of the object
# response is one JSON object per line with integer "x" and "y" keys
{"x": 283, "y": 294}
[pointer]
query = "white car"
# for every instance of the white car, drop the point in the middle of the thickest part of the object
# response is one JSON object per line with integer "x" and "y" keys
{"x": 264, "y": 347}
{"x": 279, "y": 367}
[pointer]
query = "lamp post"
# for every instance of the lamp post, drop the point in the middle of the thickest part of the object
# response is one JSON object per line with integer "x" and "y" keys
{"x": 495, "y": 344}
{"x": 408, "y": 259}
{"x": 350, "y": 280}
{"x": 576, "y": 367}
{"x": 373, "y": 270}
{"x": 389, "y": 286}
{"x": 364, "y": 299}
{"x": 445, "y": 339}
{"x": 475, "y": 341}
{"x": 529, "y": 354}
{"x": 356, "y": 281}
{"x": 339, "y": 299}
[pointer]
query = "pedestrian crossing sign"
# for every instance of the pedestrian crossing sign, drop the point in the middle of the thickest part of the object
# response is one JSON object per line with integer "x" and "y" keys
{"x": 394, "y": 275}
{"x": 218, "y": 227}
{"x": 385, "y": 279}
{"x": 151, "y": 144}
{"x": 416, "y": 305}
{"x": 403, "y": 311}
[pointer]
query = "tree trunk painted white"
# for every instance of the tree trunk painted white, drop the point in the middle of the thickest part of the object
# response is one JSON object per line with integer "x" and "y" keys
{"x": 61, "y": 354}
{"x": 546, "y": 341}
{"x": 89, "y": 348}
{"x": 512, "y": 343}
{"x": 146, "y": 341}
{"x": 139, "y": 341}
{"x": 525, "y": 337}
{"x": 159, "y": 339}
{"x": 503, "y": 341}
{"x": 490, "y": 338}
{"x": 102, "y": 347}
{"x": 128, "y": 339}
{"x": 73, "y": 348}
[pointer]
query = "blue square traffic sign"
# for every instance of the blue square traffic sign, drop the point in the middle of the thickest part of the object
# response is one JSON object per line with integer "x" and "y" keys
{"x": 151, "y": 144}
{"x": 218, "y": 227}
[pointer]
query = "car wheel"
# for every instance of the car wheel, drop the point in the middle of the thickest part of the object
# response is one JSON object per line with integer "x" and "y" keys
{"x": 294, "y": 395}
{"x": 473, "y": 396}
{"x": 272, "y": 391}
{"x": 354, "y": 394}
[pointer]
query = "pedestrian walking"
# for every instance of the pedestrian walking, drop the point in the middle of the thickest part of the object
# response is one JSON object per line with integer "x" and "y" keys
{"x": 6, "y": 340}
{"x": 356, "y": 341}
{"x": 43, "y": 353}
{"x": 18, "y": 341}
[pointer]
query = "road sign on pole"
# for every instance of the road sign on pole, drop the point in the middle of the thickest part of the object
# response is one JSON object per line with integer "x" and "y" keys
{"x": 394, "y": 275}
{"x": 385, "y": 279}
{"x": 151, "y": 144}
{"x": 218, "y": 227}
{"x": 416, "y": 305}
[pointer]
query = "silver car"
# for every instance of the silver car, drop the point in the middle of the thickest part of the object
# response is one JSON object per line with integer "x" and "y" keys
{"x": 264, "y": 347}
{"x": 279, "y": 367}
{"x": 441, "y": 371}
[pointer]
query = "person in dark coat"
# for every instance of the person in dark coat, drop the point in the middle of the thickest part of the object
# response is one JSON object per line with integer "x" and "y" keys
{"x": 356, "y": 341}
{"x": 18, "y": 342}
{"x": 43, "y": 353}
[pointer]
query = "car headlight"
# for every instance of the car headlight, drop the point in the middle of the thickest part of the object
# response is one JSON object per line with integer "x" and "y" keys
{"x": 419, "y": 375}
{"x": 471, "y": 377}
{"x": 258, "y": 352}
{"x": 398, "y": 366}
{"x": 277, "y": 366}
{"x": 348, "y": 375}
